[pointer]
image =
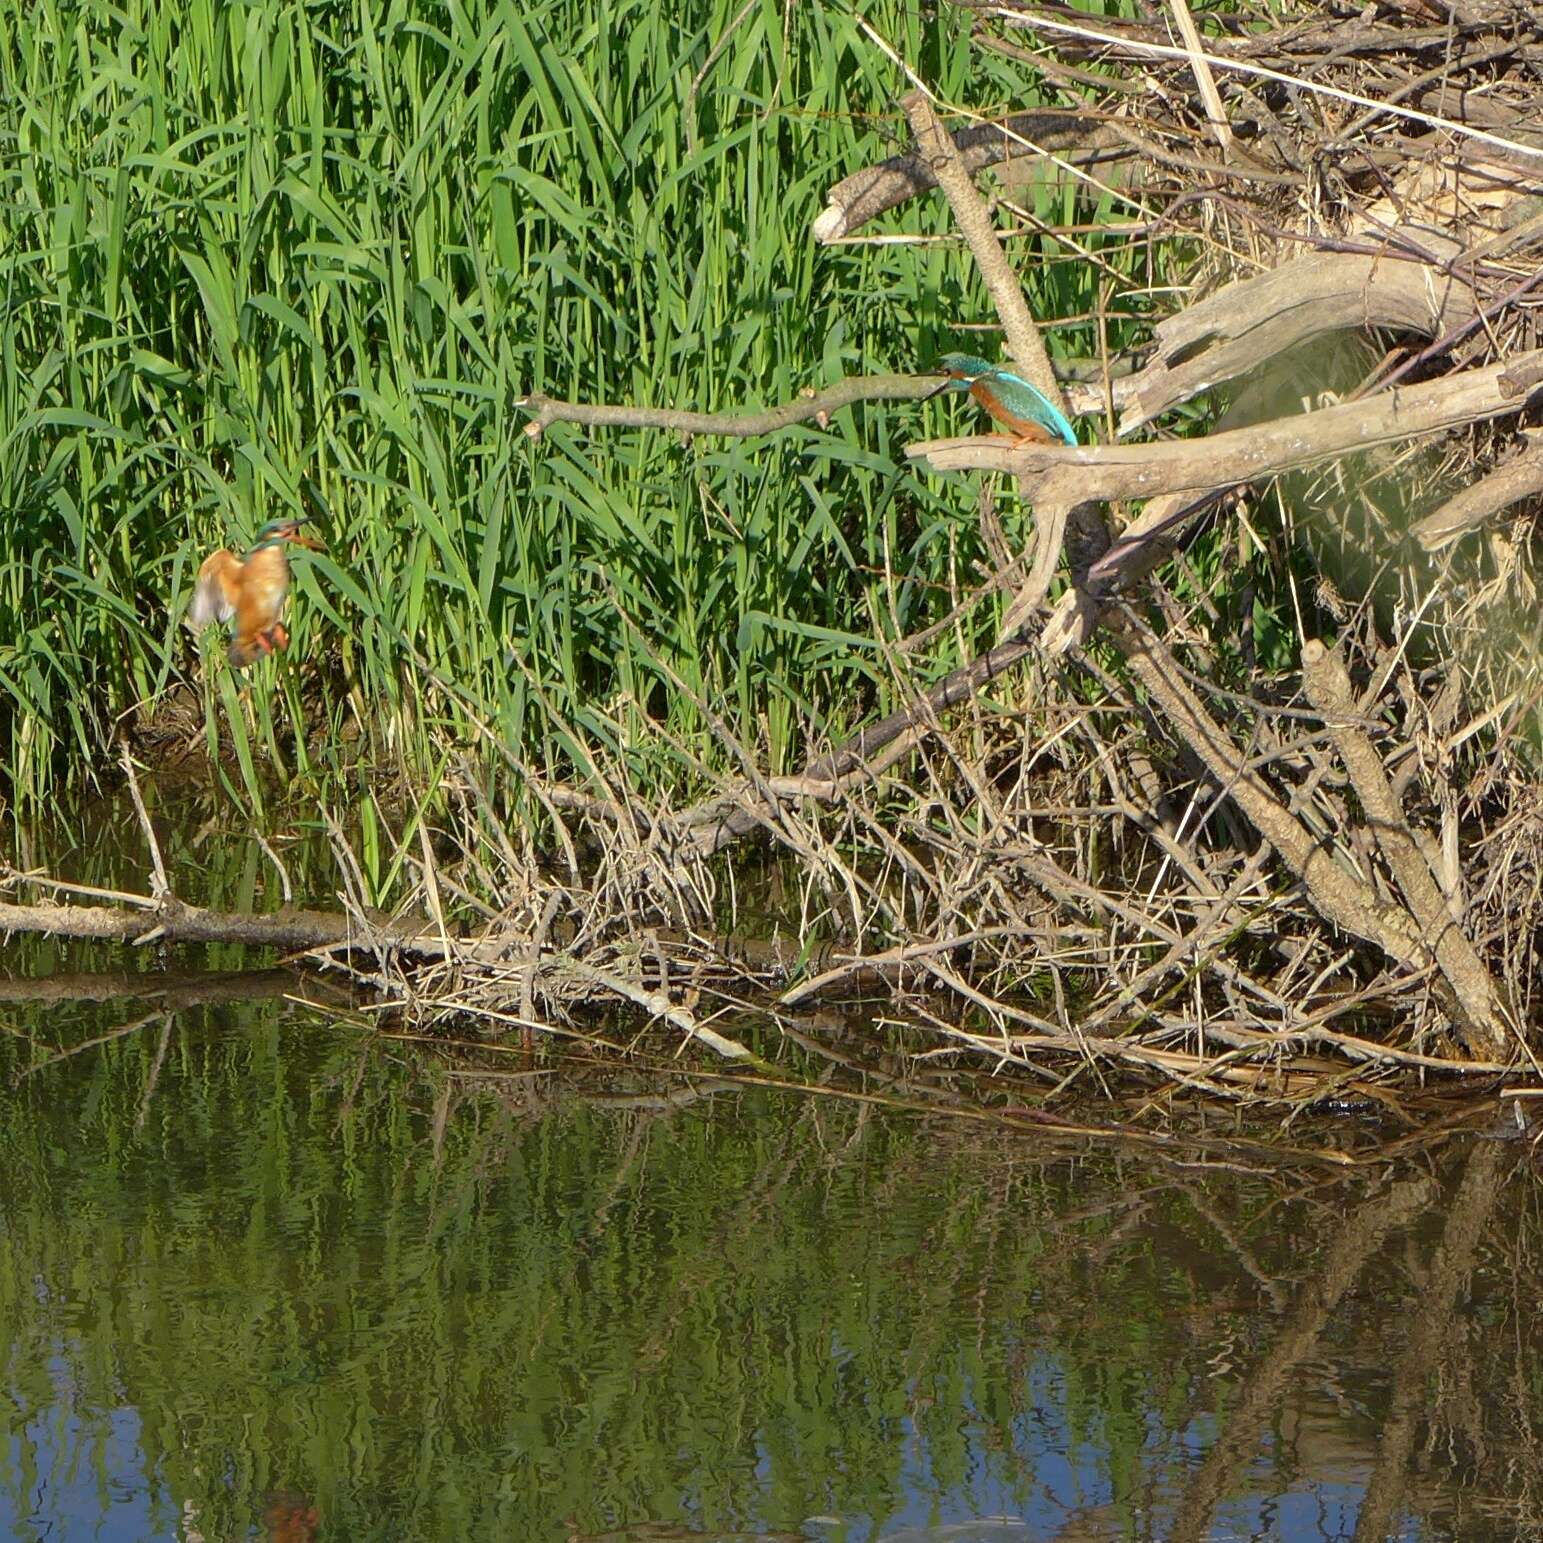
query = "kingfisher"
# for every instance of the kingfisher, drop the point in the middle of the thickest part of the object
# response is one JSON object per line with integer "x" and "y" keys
{"x": 1009, "y": 398}
{"x": 250, "y": 590}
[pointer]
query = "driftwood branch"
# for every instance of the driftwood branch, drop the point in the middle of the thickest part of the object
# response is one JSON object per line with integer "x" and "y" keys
{"x": 1241, "y": 325}
{"x": 1282, "y": 444}
{"x": 168, "y": 920}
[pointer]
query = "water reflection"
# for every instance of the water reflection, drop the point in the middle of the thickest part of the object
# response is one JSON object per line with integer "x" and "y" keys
{"x": 262, "y": 1279}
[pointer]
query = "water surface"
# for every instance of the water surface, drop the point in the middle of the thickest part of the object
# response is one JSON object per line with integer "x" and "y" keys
{"x": 265, "y": 1276}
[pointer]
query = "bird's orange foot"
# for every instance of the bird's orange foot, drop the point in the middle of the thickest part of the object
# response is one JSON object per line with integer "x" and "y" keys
{"x": 246, "y": 650}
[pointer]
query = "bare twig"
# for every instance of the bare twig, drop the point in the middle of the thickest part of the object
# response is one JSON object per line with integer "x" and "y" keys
{"x": 158, "y": 885}
{"x": 816, "y": 405}
{"x": 1216, "y": 114}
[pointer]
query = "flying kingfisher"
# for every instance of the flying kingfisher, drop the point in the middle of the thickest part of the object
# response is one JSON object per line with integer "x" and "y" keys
{"x": 251, "y": 591}
{"x": 1009, "y": 398}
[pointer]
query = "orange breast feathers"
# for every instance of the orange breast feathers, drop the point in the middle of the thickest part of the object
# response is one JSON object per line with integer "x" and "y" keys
{"x": 251, "y": 592}
{"x": 1029, "y": 430}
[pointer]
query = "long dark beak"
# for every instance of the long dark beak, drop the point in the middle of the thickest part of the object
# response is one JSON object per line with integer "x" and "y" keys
{"x": 298, "y": 537}
{"x": 948, "y": 380}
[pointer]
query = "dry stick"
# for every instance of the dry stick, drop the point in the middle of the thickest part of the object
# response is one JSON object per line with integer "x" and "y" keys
{"x": 658, "y": 1005}
{"x": 713, "y": 55}
{"x": 1204, "y": 79}
{"x": 811, "y": 404}
{"x": 1342, "y": 899}
{"x": 897, "y": 958}
{"x": 158, "y": 884}
{"x": 1520, "y": 477}
{"x": 767, "y": 420}
{"x": 1024, "y": 344}
{"x": 285, "y": 888}
{"x": 1478, "y": 1002}
{"x": 1352, "y": 1047}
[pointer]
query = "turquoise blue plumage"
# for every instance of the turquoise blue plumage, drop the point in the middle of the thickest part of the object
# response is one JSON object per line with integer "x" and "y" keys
{"x": 1009, "y": 398}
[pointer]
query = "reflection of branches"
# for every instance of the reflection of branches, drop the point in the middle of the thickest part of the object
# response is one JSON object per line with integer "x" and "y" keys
{"x": 1359, "y": 1238}
{"x": 1466, "y": 1218}
{"x": 173, "y": 990}
{"x": 122, "y": 1032}
{"x": 154, "y": 1079}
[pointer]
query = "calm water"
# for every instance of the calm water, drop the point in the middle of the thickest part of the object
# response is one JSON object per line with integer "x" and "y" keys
{"x": 263, "y": 1277}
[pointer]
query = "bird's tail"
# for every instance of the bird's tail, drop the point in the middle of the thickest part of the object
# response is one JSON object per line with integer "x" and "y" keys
{"x": 1052, "y": 417}
{"x": 245, "y": 650}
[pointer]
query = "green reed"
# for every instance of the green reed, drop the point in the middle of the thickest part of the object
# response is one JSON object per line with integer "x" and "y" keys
{"x": 244, "y": 246}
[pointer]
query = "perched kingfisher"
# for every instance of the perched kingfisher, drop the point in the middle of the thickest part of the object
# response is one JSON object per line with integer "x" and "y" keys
{"x": 1009, "y": 398}
{"x": 252, "y": 591}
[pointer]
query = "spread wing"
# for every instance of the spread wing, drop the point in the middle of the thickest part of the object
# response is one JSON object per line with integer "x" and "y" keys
{"x": 214, "y": 594}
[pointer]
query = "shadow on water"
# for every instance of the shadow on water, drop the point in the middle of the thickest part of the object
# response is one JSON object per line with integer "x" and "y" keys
{"x": 260, "y": 1278}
